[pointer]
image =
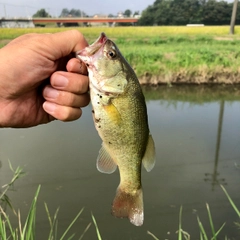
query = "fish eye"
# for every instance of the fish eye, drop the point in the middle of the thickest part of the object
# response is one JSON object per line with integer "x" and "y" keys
{"x": 111, "y": 54}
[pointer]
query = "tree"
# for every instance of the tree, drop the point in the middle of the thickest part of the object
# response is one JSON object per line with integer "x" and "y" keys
{"x": 64, "y": 13}
{"x": 72, "y": 13}
{"x": 182, "y": 12}
{"x": 148, "y": 17}
{"x": 41, "y": 14}
{"x": 136, "y": 13}
{"x": 127, "y": 13}
{"x": 216, "y": 13}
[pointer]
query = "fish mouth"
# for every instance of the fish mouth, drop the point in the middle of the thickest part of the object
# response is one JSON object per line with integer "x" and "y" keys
{"x": 102, "y": 38}
{"x": 93, "y": 48}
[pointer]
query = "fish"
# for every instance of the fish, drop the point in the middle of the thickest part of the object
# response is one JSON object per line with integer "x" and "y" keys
{"x": 120, "y": 117}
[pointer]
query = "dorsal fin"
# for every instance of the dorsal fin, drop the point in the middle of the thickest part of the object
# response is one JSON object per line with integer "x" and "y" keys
{"x": 105, "y": 163}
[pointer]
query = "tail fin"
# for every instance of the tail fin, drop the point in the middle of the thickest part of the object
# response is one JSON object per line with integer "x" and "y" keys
{"x": 128, "y": 205}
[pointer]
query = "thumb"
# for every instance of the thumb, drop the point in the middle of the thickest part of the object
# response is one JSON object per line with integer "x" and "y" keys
{"x": 66, "y": 42}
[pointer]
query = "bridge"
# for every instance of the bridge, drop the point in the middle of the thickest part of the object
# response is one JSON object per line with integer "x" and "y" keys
{"x": 32, "y": 22}
{"x": 84, "y": 20}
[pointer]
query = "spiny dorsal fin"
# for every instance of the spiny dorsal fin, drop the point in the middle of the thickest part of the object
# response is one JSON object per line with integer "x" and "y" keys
{"x": 105, "y": 163}
{"x": 149, "y": 156}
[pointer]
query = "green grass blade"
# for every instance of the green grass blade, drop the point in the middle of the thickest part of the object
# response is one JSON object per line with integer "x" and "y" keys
{"x": 69, "y": 227}
{"x": 52, "y": 223}
{"x": 28, "y": 232}
{"x": 3, "y": 234}
{"x": 56, "y": 228}
{"x": 97, "y": 230}
{"x": 6, "y": 199}
{"x": 85, "y": 230}
{"x": 219, "y": 230}
{"x": 16, "y": 174}
{"x": 203, "y": 232}
{"x": 48, "y": 215}
{"x": 211, "y": 221}
{"x": 231, "y": 201}
{"x": 6, "y": 220}
{"x": 180, "y": 225}
{"x": 151, "y": 234}
{"x": 71, "y": 237}
{"x": 50, "y": 236}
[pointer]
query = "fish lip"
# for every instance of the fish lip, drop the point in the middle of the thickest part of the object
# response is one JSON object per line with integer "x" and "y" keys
{"x": 94, "y": 47}
{"x": 101, "y": 39}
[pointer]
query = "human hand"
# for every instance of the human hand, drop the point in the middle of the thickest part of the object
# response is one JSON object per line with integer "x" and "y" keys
{"x": 41, "y": 81}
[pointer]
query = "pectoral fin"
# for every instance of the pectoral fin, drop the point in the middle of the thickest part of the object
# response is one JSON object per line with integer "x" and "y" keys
{"x": 105, "y": 163}
{"x": 149, "y": 156}
{"x": 116, "y": 85}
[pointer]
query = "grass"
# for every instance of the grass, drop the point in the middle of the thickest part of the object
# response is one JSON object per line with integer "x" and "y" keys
{"x": 175, "y": 54}
{"x": 202, "y": 232}
{"x": 26, "y": 229}
{"x": 131, "y": 32}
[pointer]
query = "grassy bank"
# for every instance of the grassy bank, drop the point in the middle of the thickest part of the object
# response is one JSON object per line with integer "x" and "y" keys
{"x": 169, "y": 54}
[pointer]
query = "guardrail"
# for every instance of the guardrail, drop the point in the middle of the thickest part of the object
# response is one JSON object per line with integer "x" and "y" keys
{"x": 71, "y": 20}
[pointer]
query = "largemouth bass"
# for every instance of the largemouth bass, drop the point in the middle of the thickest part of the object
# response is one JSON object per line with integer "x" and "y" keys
{"x": 120, "y": 117}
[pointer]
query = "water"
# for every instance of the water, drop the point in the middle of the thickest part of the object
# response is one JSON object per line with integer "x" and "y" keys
{"x": 197, "y": 136}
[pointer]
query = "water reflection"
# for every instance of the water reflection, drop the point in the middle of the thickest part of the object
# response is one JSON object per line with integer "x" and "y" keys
{"x": 214, "y": 177}
{"x": 196, "y": 132}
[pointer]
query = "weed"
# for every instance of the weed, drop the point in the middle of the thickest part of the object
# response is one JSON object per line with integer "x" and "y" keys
{"x": 203, "y": 234}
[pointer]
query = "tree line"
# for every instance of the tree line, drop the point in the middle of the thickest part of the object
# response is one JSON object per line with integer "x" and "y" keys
{"x": 42, "y": 13}
{"x": 172, "y": 12}
{"x": 182, "y": 12}
{"x": 78, "y": 13}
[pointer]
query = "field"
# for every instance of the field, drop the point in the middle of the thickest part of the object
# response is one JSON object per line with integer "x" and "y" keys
{"x": 168, "y": 54}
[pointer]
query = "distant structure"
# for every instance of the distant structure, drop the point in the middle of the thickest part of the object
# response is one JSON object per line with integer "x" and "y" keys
{"x": 16, "y": 23}
{"x": 34, "y": 22}
{"x": 98, "y": 16}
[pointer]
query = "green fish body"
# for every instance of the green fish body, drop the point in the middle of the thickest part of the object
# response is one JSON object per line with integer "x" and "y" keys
{"x": 120, "y": 117}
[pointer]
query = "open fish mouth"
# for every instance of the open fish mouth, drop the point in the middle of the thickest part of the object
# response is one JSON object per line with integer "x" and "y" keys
{"x": 93, "y": 48}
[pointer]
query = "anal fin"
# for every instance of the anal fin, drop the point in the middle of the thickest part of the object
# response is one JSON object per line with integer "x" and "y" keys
{"x": 150, "y": 155}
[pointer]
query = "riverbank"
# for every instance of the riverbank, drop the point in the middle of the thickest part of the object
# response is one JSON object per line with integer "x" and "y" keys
{"x": 193, "y": 94}
{"x": 221, "y": 76}
{"x": 168, "y": 55}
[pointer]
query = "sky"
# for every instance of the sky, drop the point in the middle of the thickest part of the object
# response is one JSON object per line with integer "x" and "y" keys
{"x": 26, "y": 8}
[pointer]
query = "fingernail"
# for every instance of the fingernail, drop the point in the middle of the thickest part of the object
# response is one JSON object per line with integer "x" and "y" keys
{"x": 60, "y": 81}
{"x": 50, "y": 93}
{"x": 49, "y": 107}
